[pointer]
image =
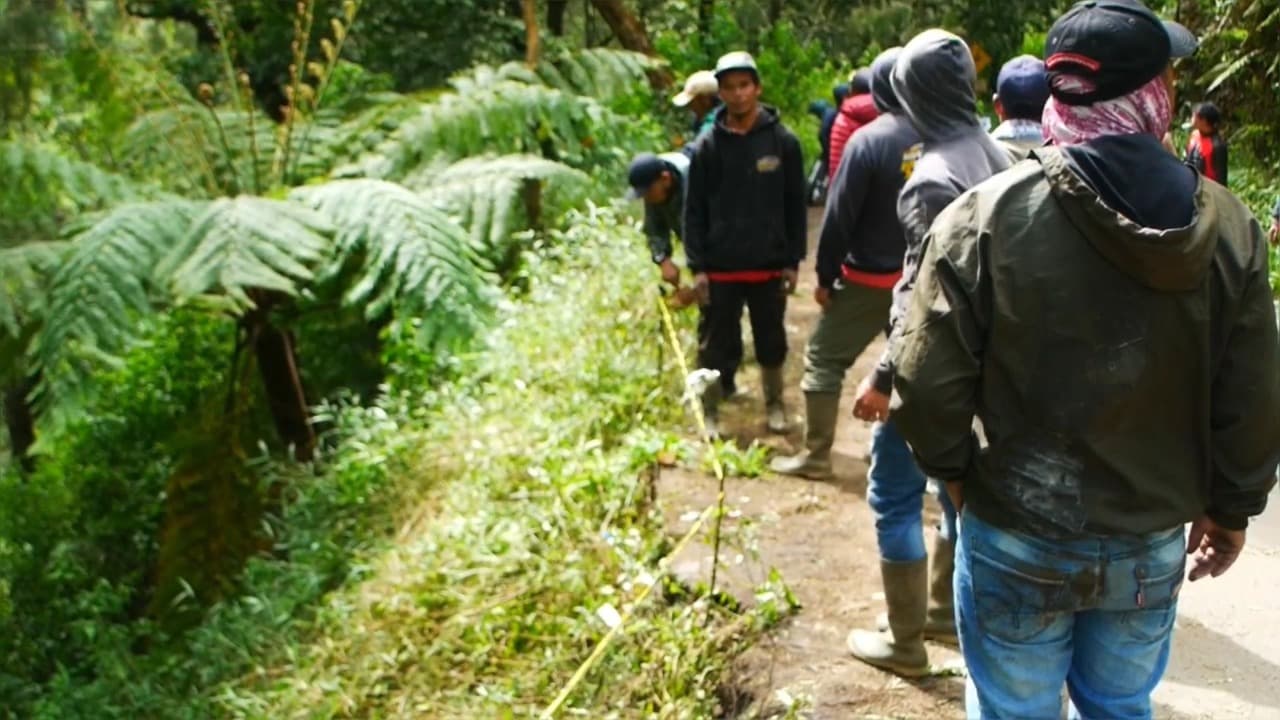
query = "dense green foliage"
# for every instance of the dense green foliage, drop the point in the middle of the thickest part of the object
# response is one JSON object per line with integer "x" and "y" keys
{"x": 334, "y": 412}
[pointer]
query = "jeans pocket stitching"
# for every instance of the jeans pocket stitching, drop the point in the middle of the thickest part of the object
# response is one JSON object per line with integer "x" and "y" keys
{"x": 1007, "y": 621}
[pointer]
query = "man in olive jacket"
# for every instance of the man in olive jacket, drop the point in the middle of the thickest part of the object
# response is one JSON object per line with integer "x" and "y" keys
{"x": 1106, "y": 314}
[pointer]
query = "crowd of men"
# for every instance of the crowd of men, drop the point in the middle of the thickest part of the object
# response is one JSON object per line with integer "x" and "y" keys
{"x": 1082, "y": 344}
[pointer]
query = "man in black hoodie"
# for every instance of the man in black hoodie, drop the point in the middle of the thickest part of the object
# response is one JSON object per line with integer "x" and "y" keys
{"x": 859, "y": 260}
{"x": 744, "y": 233}
{"x": 1105, "y": 312}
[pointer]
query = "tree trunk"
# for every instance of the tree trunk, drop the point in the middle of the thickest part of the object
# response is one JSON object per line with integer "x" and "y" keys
{"x": 631, "y": 33}
{"x": 530, "y": 12}
{"x": 278, "y": 366}
{"x": 706, "y": 10}
{"x": 555, "y": 16}
{"x": 775, "y": 11}
{"x": 21, "y": 422}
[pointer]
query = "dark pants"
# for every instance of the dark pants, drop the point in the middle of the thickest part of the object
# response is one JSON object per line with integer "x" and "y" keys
{"x": 720, "y": 327}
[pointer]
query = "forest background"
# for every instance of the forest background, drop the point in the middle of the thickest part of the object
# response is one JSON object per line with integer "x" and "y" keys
{"x": 327, "y": 347}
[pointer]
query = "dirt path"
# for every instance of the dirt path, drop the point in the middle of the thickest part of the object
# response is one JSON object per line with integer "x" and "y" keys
{"x": 1225, "y": 662}
{"x": 821, "y": 536}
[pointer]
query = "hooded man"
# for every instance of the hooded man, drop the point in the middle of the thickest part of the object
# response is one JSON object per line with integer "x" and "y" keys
{"x": 857, "y": 109}
{"x": 934, "y": 79}
{"x": 1022, "y": 89}
{"x": 1105, "y": 312}
{"x": 859, "y": 261}
{"x": 744, "y": 226}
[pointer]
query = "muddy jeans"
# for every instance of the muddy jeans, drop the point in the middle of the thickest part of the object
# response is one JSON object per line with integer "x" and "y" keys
{"x": 895, "y": 492}
{"x": 853, "y": 318}
{"x": 1094, "y": 614}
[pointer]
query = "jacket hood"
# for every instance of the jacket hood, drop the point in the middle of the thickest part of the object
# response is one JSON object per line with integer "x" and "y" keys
{"x": 1170, "y": 260}
{"x": 859, "y": 108}
{"x": 934, "y": 79}
{"x": 768, "y": 117}
{"x": 881, "y": 83}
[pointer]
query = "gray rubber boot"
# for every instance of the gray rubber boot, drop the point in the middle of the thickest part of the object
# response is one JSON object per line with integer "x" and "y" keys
{"x": 901, "y": 650}
{"x": 940, "y": 618}
{"x": 814, "y": 462}
{"x": 775, "y": 411}
{"x": 711, "y": 409}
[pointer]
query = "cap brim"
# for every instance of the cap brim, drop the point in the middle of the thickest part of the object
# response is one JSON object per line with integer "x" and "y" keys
{"x": 1182, "y": 42}
{"x": 682, "y": 98}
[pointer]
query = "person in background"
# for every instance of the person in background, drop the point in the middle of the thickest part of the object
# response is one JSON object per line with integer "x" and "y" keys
{"x": 1206, "y": 148}
{"x": 744, "y": 234}
{"x": 1274, "y": 234}
{"x": 857, "y": 110}
{"x": 1022, "y": 88}
{"x": 699, "y": 97}
{"x": 817, "y": 181}
{"x": 934, "y": 79}
{"x": 860, "y": 254}
{"x": 1107, "y": 316}
{"x": 660, "y": 180}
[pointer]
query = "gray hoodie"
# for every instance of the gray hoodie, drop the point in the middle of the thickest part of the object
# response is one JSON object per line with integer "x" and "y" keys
{"x": 934, "y": 79}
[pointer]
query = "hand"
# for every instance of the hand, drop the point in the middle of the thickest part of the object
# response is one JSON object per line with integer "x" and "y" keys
{"x": 788, "y": 281}
{"x": 822, "y": 296}
{"x": 869, "y": 403}
{"x": 670, "y": 273}
{"x": 1214, "y": 548}
{"x": 1274, "y": 234}
{"x": 702, "y": 288}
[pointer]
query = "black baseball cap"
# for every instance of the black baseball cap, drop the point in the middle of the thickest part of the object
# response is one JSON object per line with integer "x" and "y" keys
{"x": 645, "y": 169}
{"x": 1113, "y": 46}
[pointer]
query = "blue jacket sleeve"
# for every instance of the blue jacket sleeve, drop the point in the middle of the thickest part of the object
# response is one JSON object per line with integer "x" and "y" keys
{"x": 844, "y": 204}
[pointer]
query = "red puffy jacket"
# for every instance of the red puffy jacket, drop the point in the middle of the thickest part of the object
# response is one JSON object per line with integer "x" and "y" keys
{"x": 855, "y": 111}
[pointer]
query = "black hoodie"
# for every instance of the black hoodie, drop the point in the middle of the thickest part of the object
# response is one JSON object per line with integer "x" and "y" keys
{"x": 745, "y": 203}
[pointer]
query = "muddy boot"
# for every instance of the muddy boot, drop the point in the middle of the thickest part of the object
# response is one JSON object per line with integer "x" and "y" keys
{"x": 711, "y": 409}
{"x": 940, "y": 618}
{"x": 901, "y": 650}
{"x": 814, "y": 462}
{"x": 775, "y": 412}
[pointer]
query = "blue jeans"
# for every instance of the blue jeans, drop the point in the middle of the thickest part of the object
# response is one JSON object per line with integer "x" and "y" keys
{"x": 895, "y": 492}
{"x": 1094, "y": 614}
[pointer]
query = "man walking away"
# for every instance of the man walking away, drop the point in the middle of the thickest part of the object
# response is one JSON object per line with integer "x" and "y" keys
{"x": 699, "y": 98}
{"x": 1206, "y": 148}
{"x": 745, "y": 232}
{"x": 1106, "y": 314}
{"x": 858, "y": 109}
{"x": 1022, "y": 88}
{"x": 860, "y": 254}
{"x": 660, "y": 181}
{"x": 934, "y": 78}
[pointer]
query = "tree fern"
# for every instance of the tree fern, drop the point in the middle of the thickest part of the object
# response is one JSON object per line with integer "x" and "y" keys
{"x": 507, "y": 117}
{"x": 400, "y": 249}
{"x": 24, "y": 279}
{"x": 600, "y": 73}
{"x": 40, "y": 189}
{"x": 104, "y": 284}
{"x": 240, "y": 245}
{"x": 483, "y": 193}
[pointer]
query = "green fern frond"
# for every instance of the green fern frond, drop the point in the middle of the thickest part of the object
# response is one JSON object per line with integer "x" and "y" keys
{"x": 41, "y": 189}
{"x": 242, "y": 246}
{"x": 402, "y": 250}
{"x": 507, "y": 117}
{"x": 600, "y": 73}
{"x": 483, "y": 192}
{"x": 25, "y": 271}
{"x": 105, "y": 282}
